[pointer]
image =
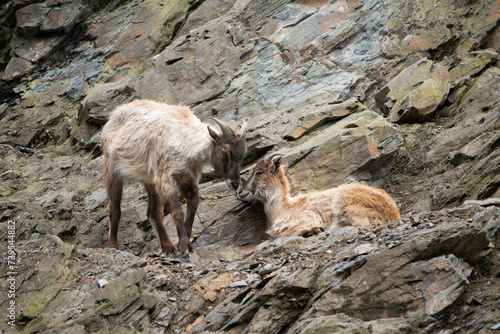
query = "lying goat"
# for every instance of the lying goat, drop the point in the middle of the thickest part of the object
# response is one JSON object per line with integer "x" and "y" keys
{"x": 165, "y": 147}
{"x": 307, "y": 214}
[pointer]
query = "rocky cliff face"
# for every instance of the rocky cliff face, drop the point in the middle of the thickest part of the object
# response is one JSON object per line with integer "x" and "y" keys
{"x": 402, "y": 95}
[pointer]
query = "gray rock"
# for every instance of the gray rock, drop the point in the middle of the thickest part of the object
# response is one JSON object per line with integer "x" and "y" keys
{"x": 38, "y": 48}
{"x": 415, "y": 93}
{"x": 330, "y": 324}
{"x": 389, "y": 326}
{"x": 17, "y": 67}
{"x": 96, "y": 199}
{"x": 208, "y": 76}
{"x": 101, "y": 101}
{"x": 238, "y": 284}
{"x": 363, "y": 249}
{"x": 441, "y": 281}
{"x": 208, "y": 10}
{"x": 485, "y": 202}
{"x": 102, "y": 282}
{"x": 338, "y": 235}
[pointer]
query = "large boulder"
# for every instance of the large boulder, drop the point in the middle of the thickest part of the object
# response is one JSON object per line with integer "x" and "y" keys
{"x": 362, "y": 146}
{"x": 30, "y": 18}
{"x": 415, "y": 93}
{"x": 102, "y": 100}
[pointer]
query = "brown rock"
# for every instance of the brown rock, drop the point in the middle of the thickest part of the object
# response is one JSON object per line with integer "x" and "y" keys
{"x": 29, "y": 19}
{"x": 62, "y": 19}
{"x": 471, "y": 65}
{"x": 272, "y": 62}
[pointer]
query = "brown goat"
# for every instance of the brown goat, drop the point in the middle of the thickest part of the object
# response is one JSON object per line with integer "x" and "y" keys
{"x": 351, "y": 204}
{"x": 165, "y": 147}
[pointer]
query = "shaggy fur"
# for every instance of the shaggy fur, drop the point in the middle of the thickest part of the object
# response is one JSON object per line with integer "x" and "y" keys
{"x": 165, "y": 147}
{"x": 307, "y": 214}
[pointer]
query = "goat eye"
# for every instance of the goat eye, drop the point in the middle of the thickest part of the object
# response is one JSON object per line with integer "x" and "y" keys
{"x": 259, "y": 173}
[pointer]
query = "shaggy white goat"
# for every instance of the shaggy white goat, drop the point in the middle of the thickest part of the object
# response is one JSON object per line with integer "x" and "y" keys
{"x": 165, "y": 147}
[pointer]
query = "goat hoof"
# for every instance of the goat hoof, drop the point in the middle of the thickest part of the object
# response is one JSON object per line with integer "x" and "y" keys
{"x": 185, "y": 247}
{"x": 168, "y": 249}
{"x": 319, "y": 230}
{"x": 310, "y": 233}
{"x": 112, "y": 244}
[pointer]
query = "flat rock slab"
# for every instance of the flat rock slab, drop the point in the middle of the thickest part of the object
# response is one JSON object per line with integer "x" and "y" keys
{"x": 317, "y": 116}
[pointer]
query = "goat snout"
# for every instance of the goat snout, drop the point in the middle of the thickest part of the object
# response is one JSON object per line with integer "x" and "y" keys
{"x": 232, "y": 185}
{"x": 241, "y": 194}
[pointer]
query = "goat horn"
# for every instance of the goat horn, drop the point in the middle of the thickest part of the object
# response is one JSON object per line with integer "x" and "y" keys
{"x": 226, "y": 130}
{"x": 243, "y": 129}
{"x": 269, "y": 157}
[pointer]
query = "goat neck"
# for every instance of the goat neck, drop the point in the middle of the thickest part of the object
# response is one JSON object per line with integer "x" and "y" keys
{"x": 278, "y": 200}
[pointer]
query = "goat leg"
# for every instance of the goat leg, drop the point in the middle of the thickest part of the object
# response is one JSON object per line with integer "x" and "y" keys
{"x": 155, "y": 215}
{"x": 173, "y": 205}
{"x": 114, "y": 188}
{"x": 184, "y": 246}
{"x": 190, "y": 192}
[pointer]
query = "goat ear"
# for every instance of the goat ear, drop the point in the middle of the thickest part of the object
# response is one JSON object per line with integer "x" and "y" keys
{"x": 215, "y": 136}
{"x": 276, "y": 163}
{"x": 241, "y": 129}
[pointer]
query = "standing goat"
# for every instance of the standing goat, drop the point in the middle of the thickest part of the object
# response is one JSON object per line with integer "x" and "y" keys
{"x": 165, "y": 147}
{"x": 307, "y": 214}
